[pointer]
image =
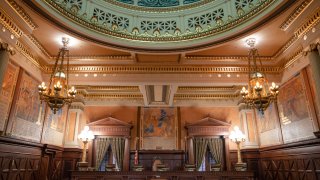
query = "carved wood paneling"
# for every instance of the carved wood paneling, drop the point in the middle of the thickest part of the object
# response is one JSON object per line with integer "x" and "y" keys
{"x": 148, "y": 175}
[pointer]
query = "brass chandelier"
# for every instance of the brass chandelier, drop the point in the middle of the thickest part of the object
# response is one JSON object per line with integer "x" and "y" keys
{"x": 259, "y": 94}
{"x": 57, "y": 94}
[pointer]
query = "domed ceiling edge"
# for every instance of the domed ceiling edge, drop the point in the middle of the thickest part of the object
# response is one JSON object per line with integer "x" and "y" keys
{"x": 201, "y": 26}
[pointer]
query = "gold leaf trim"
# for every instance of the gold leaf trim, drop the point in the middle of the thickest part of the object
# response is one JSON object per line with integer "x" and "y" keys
{"x": 22, "y": 13}
{"x": 8, "y": 23}
{"x": 295, "y": 14}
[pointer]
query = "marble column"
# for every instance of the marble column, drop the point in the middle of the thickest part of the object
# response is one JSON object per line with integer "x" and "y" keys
{"x": 5, "y": 51}
{"x": 313, "y": 56}
{"x": 75, "y": 123}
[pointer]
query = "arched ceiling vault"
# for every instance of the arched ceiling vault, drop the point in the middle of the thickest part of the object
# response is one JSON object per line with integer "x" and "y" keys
{"x": 152, "y": 65}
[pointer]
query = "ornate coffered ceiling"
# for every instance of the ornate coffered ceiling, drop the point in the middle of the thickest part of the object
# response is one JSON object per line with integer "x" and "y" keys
{"x": 144, "y": 61}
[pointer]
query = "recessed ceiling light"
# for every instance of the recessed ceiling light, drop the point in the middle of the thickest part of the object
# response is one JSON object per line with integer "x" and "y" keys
{"x": 228, "y": 75}
{"x": 238, "y": 75}
{"x": 95, "y": 75}
{"x": 85, "y": 75}
{"x": 219, "y": 75}
{"x": 76, "y": 75}
{"x": 12, "y": 36}
{"x": 3, "y": 29}
{"x": 305, "y": 37}
{"x": 313, "y": 29}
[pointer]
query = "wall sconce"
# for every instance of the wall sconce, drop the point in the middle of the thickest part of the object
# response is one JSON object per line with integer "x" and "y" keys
{"x": 237, "y": 137}
{"x": 85, "y": 136}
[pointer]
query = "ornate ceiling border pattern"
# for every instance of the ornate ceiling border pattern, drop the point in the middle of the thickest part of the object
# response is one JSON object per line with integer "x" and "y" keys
{"x": 295, "y": 14}
{"x": 157, "y": 10}
{"x": 21, "y": 12}
{"x": 159, "y": 69}
{"x": 228, "y": 22}
{"x": 307, "y": 25}
{"x": 39, "y": 46}
{"x": 8, "y": 23}
{"x": 26, "y": 52}
{"x": 205, "y": 96}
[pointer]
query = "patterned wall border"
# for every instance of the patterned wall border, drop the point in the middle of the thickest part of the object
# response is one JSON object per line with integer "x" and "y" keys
{"x": 295, "y": 14}
{"x": 21, "y": 12}
{"x": 181, "y": 37}
{"x": 8, "y": 23}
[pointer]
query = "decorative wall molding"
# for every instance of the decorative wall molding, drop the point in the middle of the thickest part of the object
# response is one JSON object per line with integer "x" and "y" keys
{"x": 26, "y": 52}
{"x": 8, "y": 23}
{"x": 39, "y": 45}
{"x": 159, "y": 69}
{"x": 308, "y": 24}
{"x": 295, "y": 14}
{"x": 22, "y": 13}
{"x": 204, "y": 96}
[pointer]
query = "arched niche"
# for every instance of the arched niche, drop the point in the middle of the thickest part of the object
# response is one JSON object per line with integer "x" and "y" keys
{"x": 111, "y": 127}
{"x": 209, "y": 127}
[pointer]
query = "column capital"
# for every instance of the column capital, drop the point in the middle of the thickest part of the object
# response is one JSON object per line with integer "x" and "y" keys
{"x": 314, "y": 47}
{"x": 5, "y": 46}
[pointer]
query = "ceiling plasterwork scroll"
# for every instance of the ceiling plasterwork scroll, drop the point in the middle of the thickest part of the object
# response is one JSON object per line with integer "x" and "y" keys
{"x": 200, "y": 24}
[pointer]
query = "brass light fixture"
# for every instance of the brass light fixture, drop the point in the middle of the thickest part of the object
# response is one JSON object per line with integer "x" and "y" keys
{"x": 57, "y": 94}
{"x": 259, "y": 94}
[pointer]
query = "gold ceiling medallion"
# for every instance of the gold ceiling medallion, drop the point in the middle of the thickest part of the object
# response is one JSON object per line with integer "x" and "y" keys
{"x": 58, "y": 93}
{"x": 259, "y": 95}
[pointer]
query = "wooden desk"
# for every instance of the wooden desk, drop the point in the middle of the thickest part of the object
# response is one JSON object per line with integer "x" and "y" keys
{"x": 149, "y": 175}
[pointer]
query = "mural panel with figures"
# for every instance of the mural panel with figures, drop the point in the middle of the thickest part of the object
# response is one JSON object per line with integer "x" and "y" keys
{"x": 294, "y": 111}
{"x": 54, "y": 126}
{"x": 7, "y": 92}
{"x": 28, "y": 111}
{"x": 159, "y": 128}
{"x": 269, "y": 126}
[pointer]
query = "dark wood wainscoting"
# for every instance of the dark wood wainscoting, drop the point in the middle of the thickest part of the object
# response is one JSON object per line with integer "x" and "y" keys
{"x": 148, "y": 175}
{"x": 295, "y": 161}
{"x": 34, "y": 161}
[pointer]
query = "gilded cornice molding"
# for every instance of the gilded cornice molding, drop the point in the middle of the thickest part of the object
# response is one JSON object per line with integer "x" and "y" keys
{"x": 159, "y": 37}
{"x": 21, "y": 12}
{"x": 295, "y": 14}
{"x": 97, "y": 58}
{"x": 205, "y": 88}
{"x": 308, "y": 24}
{"x": 204, "y": 96}
{"x": 6, "y": 47}
{"x": 286, "y": 46}
{"x": 39, "y": 45}
{"x": 225, "y": 58}
{"x": 113, "y": 96}
{"x": 110, "y": 88}
{"x": 295, "y": 56}
{"x": 26, "y": 52}
{"x": 8, "y": 23}
{"x": 174, "y": 69}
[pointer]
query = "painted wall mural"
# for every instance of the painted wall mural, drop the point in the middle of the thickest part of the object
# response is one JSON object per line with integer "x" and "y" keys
{"x": 7, "y": 92}
{"x": 159, "y": 128}
{"x": 28, "y": 112}
{"x": 269, "y": 126}
{"x": 294, "y": 110}
{"x": 54, "y": 126}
